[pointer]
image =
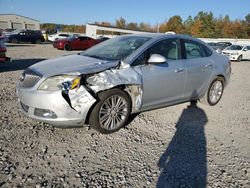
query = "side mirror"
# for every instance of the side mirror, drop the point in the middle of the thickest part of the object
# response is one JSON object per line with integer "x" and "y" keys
{"x": 245, "y": 49}
{"x": 156, "y": 59}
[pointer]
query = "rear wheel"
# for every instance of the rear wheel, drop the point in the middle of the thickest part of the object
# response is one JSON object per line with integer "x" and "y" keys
{"x": 112, "y": 111}
{"x": 214, "y": 92}
{"x": 67, "y": 47}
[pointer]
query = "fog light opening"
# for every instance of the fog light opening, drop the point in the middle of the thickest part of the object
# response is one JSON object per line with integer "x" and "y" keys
{"x": 45, "y": 113}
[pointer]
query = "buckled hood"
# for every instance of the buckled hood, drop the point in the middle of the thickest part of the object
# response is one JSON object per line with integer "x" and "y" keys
{"x": 72, "y": 64}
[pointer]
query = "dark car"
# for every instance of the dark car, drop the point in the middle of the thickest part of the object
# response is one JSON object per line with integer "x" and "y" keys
{"x": 25, "y": 36}
{"x": 219, "y": 46}
{"x": 74, "y": 43}
{"x": 101, "y": 39}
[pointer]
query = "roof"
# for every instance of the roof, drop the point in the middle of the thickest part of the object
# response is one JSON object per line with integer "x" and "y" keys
{"x": 19, "y": 16}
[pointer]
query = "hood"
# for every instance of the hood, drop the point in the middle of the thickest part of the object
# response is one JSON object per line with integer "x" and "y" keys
{"x": 231, "y": 51}
{"x": 72, "y": 64}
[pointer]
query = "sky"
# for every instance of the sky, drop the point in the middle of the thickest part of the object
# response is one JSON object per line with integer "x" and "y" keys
{"x": 148, "y": 11}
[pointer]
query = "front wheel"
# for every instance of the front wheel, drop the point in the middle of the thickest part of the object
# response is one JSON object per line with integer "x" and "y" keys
{"x": 214, "y": 92}
{"x": 67, "y": 47}
{"x": 112, "y": 111}
{"x": 239, "y": 58}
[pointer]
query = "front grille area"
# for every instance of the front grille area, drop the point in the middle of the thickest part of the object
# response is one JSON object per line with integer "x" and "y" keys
{"x": 29, "y": 78}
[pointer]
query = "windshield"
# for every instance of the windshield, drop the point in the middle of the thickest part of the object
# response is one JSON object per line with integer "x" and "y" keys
{"x": 235, "y": 47}
{"x": 71, "y": 37}
{"x": 116, "y": 48}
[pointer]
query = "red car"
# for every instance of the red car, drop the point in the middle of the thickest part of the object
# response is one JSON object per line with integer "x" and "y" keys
{"x": 74, "y": 43}
{"x": 3, "y": 51}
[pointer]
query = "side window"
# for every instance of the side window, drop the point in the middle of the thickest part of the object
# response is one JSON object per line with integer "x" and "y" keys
{"x": 169, "y": 48}
{"x": 83, "y": 38}
{"x": 247, "y": 48}
{"x": 193, "y": 50}
{"x": 142, "y": 59}
{"x": 207, "y": 51}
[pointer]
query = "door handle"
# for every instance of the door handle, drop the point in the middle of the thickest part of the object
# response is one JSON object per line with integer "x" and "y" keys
{"x": 179, "y": 70}
{"x": 208, "y": 65}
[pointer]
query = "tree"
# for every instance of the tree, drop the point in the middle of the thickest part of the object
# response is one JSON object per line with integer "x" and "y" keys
{"x": 175, "y": 24}
{"x": 248, "y": 25}
{"x": 132, "y": 26}
{"x": 248, "y": 18}
{"x": 207, "y": 24}
{"x": 188, "y": 23}
{"x": 121, "y": 23}
{"x": 196, "y": 29}
{"x": 145, "y": 27}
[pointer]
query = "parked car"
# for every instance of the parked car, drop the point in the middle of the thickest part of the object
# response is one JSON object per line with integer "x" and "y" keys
{"x": 3, "y": 51}
{"x": 25, "y": 36}
{"x": 8, "y": 31}
{"x": 101, "y": 39}
{"x": 219, "y": 46}
{"x": 237, "y": 52}
{"x": 74, "y": 43}
{"x": 103, "y": 85}
{"x": 57, "y": 36}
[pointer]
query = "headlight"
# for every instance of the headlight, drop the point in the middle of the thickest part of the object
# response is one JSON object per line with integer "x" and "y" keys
{"x": 235, "y": 53}
{"x": 62, "y": 82}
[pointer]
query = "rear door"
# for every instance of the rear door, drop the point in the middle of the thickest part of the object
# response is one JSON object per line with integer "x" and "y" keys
{"x": 199, "y": 68}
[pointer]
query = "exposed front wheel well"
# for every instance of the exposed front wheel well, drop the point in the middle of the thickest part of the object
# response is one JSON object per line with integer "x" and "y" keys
{"x": 222, "y": 77}
{"x": 121, "y": 87}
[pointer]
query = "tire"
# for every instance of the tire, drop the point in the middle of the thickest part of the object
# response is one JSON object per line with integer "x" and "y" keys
{"x": 67, "y": 47}
{"x": 14, "y": 40}
{"x": 239, "y": 58}
{"x": 112, "y": 111}
{"x": 214, "y": 92}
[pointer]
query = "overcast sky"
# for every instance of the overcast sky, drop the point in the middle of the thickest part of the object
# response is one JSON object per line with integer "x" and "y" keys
{"x": 149, "y": 11}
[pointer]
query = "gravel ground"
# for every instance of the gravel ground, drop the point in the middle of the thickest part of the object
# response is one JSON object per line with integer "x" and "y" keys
{"x": 178, "y": 146}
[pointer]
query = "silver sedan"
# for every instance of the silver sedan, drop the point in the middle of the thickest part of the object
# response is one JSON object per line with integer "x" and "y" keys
{"x": 129, "y": 74}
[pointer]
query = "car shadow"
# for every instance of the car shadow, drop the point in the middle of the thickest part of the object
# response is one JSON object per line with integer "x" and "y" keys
{"x": 18, "y": 64}
{"x": 184, "y": 163}
{"x": 19, "y": 45}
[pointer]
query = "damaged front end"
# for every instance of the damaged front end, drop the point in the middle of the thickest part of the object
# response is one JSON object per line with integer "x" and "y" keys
{"x": 66, "y": 100}
{"x": 85, "y": 88}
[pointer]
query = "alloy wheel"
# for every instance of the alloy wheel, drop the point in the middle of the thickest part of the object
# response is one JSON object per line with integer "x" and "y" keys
{"x": 113, "y": 112}
{"x": 215, "y": 91}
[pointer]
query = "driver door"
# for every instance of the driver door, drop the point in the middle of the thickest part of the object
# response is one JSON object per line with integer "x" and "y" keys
{"x": 163, "y": 84}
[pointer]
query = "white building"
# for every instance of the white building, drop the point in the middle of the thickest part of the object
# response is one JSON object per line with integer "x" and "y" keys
{"x": 14, "y": 21}
{"x": 91, "y": 30}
